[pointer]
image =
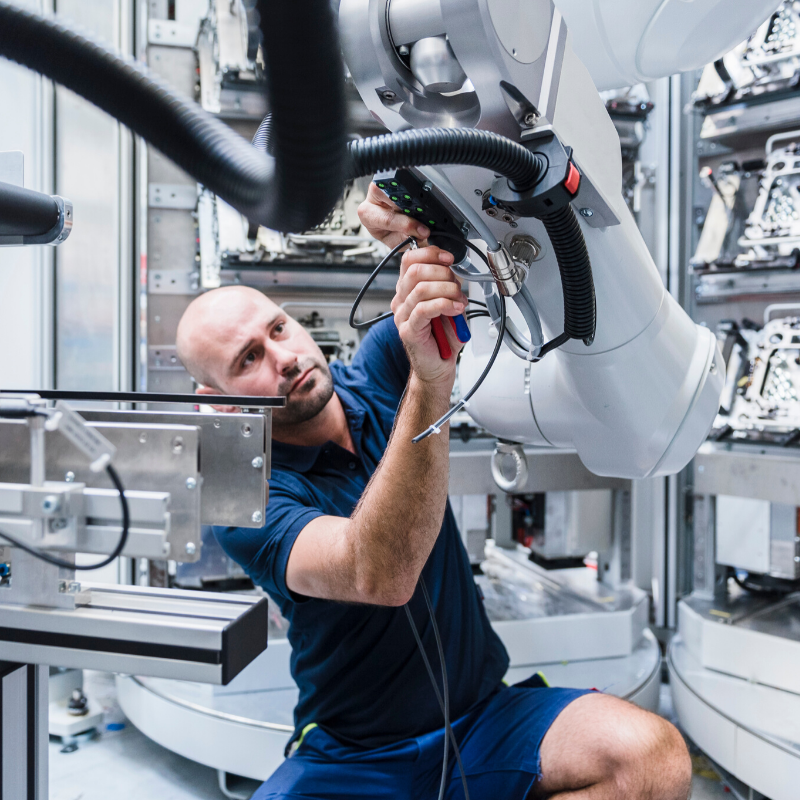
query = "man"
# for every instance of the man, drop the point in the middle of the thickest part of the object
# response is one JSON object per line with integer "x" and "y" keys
{"x": 357, "y": 516}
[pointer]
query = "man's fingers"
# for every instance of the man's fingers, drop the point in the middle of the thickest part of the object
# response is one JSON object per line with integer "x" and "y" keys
{"x": 417, "y": 273}
{"x": 382, "y": 218}
{"x": 424, "y": 255}
{"x": 422, "y": 314}
{"x": 430, "y": 290}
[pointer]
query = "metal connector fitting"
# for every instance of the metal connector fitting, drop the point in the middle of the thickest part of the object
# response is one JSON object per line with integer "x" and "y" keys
{"x": 508, "y": 275}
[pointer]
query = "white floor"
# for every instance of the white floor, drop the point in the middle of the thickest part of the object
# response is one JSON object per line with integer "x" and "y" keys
{"x": 126, "y": 765}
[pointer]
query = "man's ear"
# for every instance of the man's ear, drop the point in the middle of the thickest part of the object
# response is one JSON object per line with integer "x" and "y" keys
{"x": 207, "y": 390}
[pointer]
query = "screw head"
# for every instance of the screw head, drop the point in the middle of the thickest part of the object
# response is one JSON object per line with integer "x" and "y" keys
{"x": 217, "y": 423}
{"x": 177, "y": 445}
{"x": 403, "y": 50}
{"x": 191, "y": 483}
{"x": 246, "y": 430}
{"x": 50, "y": 504}
{"x": 69, "y": 477}
{"x": 587, "y": 212}
{"x": 465, "y": 229}
{"x": 191, "y": 548}
{"x": 257, "y": 462}
{"x": 478, "y": 192}
{"x": 530, "y": 119}
{"x": 257, "y": 516}
{"x": 389, "y": 96}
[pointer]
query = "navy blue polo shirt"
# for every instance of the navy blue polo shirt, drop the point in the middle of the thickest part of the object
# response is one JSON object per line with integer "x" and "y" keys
{"x": 357, "y": 667}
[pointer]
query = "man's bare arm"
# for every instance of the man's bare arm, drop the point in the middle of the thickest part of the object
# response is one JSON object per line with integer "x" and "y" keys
{"x": 377, "y": 554}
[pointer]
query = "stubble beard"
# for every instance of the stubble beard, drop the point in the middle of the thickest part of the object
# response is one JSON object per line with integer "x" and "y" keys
{"x": 308, "y": 400}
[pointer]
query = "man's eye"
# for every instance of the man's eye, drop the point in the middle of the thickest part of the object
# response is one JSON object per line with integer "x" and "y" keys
{"x": 249, "y": 359}
{"x": 279, "y": 328}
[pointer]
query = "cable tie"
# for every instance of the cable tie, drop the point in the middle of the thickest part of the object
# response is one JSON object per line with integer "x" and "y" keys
{"x": 434, "y": 429}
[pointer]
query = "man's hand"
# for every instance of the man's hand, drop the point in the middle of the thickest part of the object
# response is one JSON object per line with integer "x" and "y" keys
{"x": 385, "y": 222}
{"x": 427, "y": 289}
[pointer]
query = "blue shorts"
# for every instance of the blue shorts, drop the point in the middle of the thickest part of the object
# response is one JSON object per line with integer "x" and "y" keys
{"x": 499, "y": 742}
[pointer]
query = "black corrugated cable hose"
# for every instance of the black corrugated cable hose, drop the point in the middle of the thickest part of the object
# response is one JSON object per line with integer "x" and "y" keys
{"x": 422, "y": 147}
{"x": 569, "y": 246}
{"x": 294, "y": 192}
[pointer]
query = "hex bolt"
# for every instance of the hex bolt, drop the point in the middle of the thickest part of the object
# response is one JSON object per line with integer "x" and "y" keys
{"x": 587, "y": 212}
{"x": 69, "y": 477}
{"x": 403, "y": 50}
{"x": 73, "y": 587}
{"x": 257, "y": 462}
{"x": 50, "y": 504}
{"x": 257, "y": 516}
{"x": 465, "y": 229}
{"x": 191, "y": 483}
{"x": 191, "y": 549}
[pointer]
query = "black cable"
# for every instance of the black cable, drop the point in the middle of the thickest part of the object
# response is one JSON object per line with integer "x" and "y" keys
{"x": 553, "y": 344}
{"x": 420, "y": 147}
{"x": 293, "y": 192}
{"x": 575, "y": 266}
{"x": 123, "y": 539}
{"x": 444, "y": 704}
{"x": 369, "y": 323}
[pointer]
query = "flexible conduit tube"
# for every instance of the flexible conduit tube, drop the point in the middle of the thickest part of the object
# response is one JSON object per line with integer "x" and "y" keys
{"x": 569, "y": 246}
{"x": 293, "y": 192}
{"x": 421, "y": 147}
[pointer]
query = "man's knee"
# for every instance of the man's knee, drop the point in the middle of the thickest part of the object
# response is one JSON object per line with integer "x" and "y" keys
{"x": 648, "y": 757}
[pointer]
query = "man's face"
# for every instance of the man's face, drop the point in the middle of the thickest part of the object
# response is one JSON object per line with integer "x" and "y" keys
{"x": 259, "y": 350}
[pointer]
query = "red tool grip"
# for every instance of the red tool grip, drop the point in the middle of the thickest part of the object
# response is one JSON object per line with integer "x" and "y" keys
{"x": 441, "y": 338}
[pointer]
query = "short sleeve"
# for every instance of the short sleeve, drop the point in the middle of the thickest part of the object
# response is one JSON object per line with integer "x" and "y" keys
{"x": 263, "y": 553}
{"x": 382, "y": 359}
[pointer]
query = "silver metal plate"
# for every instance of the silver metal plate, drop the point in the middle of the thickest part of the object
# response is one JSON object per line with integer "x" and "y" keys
{"x": 172, "y": 195}
{"x": 173, "y": 281}
{"x": 152, "y": 457}
{"x": 233, "y": 489}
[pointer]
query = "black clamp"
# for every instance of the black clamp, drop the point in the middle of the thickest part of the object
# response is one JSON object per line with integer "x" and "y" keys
{"x": 557, "y": 188}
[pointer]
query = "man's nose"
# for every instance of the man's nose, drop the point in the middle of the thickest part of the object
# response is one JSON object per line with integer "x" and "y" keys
{"x": 285, "y": 360}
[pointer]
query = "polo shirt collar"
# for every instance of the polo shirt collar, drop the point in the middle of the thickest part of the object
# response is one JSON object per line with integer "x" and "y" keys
{"x": 301, "y": 458}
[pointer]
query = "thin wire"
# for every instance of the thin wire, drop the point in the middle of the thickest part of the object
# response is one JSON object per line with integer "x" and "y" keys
{"x": 444, "y": 706}
{"x": 123, "y": 539}
{"x": 369, "y": 323}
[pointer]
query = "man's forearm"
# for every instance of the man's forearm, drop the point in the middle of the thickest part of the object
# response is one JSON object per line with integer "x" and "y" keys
{"x": 394, "y": 527}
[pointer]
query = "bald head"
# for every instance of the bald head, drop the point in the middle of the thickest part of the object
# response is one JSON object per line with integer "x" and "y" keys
{"x": 236, "y": 341}
{"x": 213, "y": 320}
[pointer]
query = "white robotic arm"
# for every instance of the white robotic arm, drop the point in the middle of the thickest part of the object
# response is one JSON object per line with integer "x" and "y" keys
{"x": 640, "y": 399}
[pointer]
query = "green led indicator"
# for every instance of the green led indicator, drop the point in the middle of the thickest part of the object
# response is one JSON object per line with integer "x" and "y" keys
{"x": 394, "y": 197}
{"x": 419, "y": 210}
{"x": 407, "y": 210}
{"x": 381, "y": 185}
{"x": 407, "y": 196}
{"x": 394, "y": 183}
{"x": 431, "y": 222}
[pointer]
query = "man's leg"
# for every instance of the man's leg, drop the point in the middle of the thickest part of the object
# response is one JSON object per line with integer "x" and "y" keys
{"x": 603, "y": 748}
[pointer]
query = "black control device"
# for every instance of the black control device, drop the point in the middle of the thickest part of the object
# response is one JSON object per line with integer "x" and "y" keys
{"x": 416, "y": 198}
